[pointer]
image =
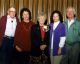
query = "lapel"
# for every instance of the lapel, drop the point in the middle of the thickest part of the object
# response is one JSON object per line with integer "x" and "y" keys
{"x": 51, "y": 30}
{"x": 4, "y": 21}
{"x": 58, "y": 27}
{"x": 39, "y": 32}
{"x": 66, "y": 25}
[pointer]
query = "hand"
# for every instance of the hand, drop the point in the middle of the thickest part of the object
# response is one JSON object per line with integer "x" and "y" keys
{"x": 18, "y": 48}
{"x": 59, "y": 51}
{"x": 42, "y": 47}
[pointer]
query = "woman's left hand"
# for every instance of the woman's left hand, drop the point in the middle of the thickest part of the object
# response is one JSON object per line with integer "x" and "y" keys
{"x": 42, "y": 47}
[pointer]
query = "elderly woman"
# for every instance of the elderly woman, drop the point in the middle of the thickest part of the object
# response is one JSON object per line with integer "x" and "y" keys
{"x": 40, "y": 36}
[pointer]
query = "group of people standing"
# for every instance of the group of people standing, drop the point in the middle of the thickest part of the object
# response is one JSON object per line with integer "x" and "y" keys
{"x": 59, "y": 41}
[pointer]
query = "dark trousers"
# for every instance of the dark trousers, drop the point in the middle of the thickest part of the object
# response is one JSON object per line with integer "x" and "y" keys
{"x": 79, "y": 59}
{"x": 72, "y": 54}
{"x": 79, "y": 55}
{"x": 7, "y": 50}
{"x": 21, "y": 57}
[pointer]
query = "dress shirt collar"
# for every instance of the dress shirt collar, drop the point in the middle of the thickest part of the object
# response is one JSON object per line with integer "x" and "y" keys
{"x": 71, "y": 21}
{"x": 8, "y": 16}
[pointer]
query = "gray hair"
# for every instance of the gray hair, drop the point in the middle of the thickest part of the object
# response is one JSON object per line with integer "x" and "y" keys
{"x": 41, "y": 14}
{"x": 74, "y": 11}
{"x": 10, "y": 8}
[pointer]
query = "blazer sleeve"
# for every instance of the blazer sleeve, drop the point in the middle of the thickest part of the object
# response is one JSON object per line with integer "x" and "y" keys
{"x": 34, "y": 37}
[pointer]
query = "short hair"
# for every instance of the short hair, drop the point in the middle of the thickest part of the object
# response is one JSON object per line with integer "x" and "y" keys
{"x": 42, "y": 14}
{"x": 74, "y": 11}
{"x": 60, "y": 16}
{"x": 21, "y": 13}
{"x": 10, "y": 8}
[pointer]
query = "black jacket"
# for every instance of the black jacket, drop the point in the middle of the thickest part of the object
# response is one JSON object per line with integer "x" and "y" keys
{"x": 36, "y": 39}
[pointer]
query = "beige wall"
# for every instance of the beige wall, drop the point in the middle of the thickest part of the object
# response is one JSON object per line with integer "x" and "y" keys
{"x": 37, "y": 6}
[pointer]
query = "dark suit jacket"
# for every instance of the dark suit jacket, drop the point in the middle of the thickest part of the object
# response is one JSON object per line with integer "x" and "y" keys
{"x": 37, "y": 40}
{"x": 3, "y": 21}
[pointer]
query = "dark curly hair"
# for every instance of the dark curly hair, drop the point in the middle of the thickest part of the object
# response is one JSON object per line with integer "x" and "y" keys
{"x": 60, "y": 16}
{"x": 21, "y": 13}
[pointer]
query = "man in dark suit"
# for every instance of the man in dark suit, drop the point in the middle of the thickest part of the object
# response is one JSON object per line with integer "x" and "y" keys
{"x": 8, "y": 25}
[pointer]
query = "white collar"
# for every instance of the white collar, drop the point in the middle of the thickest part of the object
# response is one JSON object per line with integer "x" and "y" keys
{"x": 8, "y": 16}
{"x": 71, "y": 21}
{"x": 55, "y": 25}
{"x": 57, "y": 22}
